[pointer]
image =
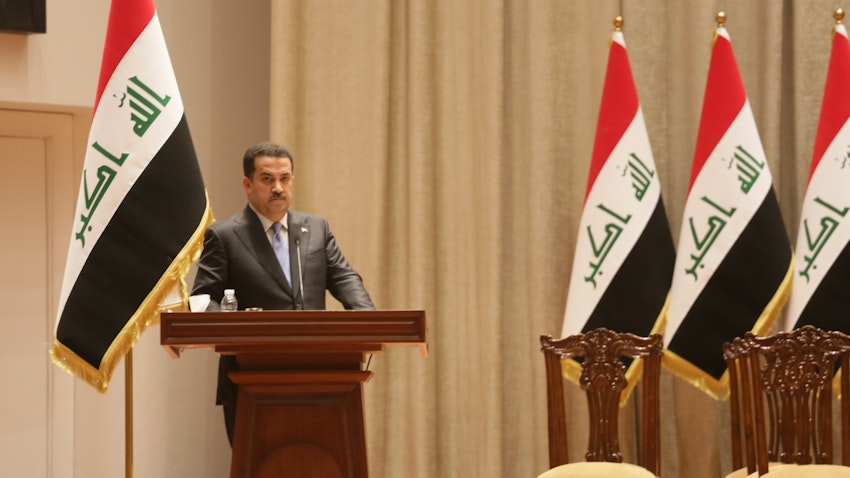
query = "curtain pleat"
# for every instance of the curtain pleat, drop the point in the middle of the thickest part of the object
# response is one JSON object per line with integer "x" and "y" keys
{"x": 448, "y": 144}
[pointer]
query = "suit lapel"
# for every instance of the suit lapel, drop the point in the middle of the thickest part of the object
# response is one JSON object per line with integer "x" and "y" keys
{"x": 252, "y": 235}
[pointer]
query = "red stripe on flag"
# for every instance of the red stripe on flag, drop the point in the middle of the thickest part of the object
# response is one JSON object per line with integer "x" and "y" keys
{"x": 127, "y": 20}
{"x": 835, "y": 108}
{"x": 723, "y": 100}
{"x": 616, "y": 112}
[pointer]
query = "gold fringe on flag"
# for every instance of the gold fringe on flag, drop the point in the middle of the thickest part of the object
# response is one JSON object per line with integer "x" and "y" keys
{"x": 146, "y": 315}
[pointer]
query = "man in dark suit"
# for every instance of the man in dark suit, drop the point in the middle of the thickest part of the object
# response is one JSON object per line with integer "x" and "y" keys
{"x": 247, "y": 252}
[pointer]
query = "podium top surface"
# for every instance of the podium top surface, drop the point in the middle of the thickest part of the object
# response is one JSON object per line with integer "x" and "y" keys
{"x": 320, "y": 330}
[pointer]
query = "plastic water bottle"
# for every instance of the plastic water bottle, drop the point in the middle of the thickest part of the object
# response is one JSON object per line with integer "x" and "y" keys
{"x": 228, "y": 302}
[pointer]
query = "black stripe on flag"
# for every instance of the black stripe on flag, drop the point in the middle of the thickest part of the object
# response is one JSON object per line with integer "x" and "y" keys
{"x": 149, "y": 229}
{"x": 639, "y": 289}
{"x": 827, "y": 307}
{"x": 738, "y": 293}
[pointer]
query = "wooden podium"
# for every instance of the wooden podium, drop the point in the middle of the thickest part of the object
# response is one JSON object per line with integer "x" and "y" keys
{"x": 300, "y": 407}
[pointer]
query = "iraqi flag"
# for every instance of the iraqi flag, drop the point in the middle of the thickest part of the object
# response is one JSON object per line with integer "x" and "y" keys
{"x": 624, "y": 255}
{"x": 819, "y": 295}
{"x": 142, "y": 207}
{"x": 734, "y": 261}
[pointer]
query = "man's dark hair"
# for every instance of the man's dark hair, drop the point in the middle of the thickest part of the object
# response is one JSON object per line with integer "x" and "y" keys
{"x": 272, "y": 150}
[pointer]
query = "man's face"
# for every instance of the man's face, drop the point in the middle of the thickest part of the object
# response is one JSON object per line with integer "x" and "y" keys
{"x": 270, "y": 188}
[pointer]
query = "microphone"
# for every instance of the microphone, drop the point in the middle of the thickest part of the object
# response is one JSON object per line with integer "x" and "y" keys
{"x": 299, "y": 305}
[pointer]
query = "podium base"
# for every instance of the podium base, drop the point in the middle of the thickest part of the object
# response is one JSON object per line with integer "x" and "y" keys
{"x": 299, "y": 425}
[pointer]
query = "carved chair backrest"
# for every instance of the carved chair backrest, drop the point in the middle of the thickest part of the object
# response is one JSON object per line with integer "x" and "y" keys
{"x": 781, "y": 390}
{"x": 603, "y": 378}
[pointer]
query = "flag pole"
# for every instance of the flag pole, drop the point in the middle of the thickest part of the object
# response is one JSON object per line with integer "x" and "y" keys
{"x": 128, "y": 414}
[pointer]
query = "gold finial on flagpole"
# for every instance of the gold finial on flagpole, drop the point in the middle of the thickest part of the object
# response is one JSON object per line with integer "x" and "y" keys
{"x": 720, "y": 18}
{"x": 618, "y": 23}
{"x": 838, "y": 15}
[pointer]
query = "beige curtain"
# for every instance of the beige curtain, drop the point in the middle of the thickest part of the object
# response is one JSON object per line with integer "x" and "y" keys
{"x": 448, "y": 143}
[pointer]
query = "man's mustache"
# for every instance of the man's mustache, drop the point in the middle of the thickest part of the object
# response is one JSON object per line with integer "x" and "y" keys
{"x": 277, "y": 196}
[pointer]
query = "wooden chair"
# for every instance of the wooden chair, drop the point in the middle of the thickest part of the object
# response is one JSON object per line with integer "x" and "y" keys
{"x": 781, "y": 402}
{"x": 603, "y": 380}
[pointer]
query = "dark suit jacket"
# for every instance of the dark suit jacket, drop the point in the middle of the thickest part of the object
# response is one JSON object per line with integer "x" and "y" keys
{"x": 237, "y": 255}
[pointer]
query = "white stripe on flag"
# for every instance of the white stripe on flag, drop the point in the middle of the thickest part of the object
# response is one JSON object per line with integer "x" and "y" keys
{"x": 727, "y": 193}
{"x": 824, "y": 223}
{"x": 112, "y": 131}
{"x": 613, "y": 219}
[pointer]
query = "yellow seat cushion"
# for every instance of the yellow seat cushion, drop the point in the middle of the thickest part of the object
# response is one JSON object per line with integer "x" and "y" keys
{"x": 739, "y": 473}
{"x": 808, "y": 471}
{"x": 593, "y": 469}
{"x": 742, "y": 472}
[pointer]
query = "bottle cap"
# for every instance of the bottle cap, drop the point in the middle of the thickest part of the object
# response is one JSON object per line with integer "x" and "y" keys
{"x": 229, "y": 291}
